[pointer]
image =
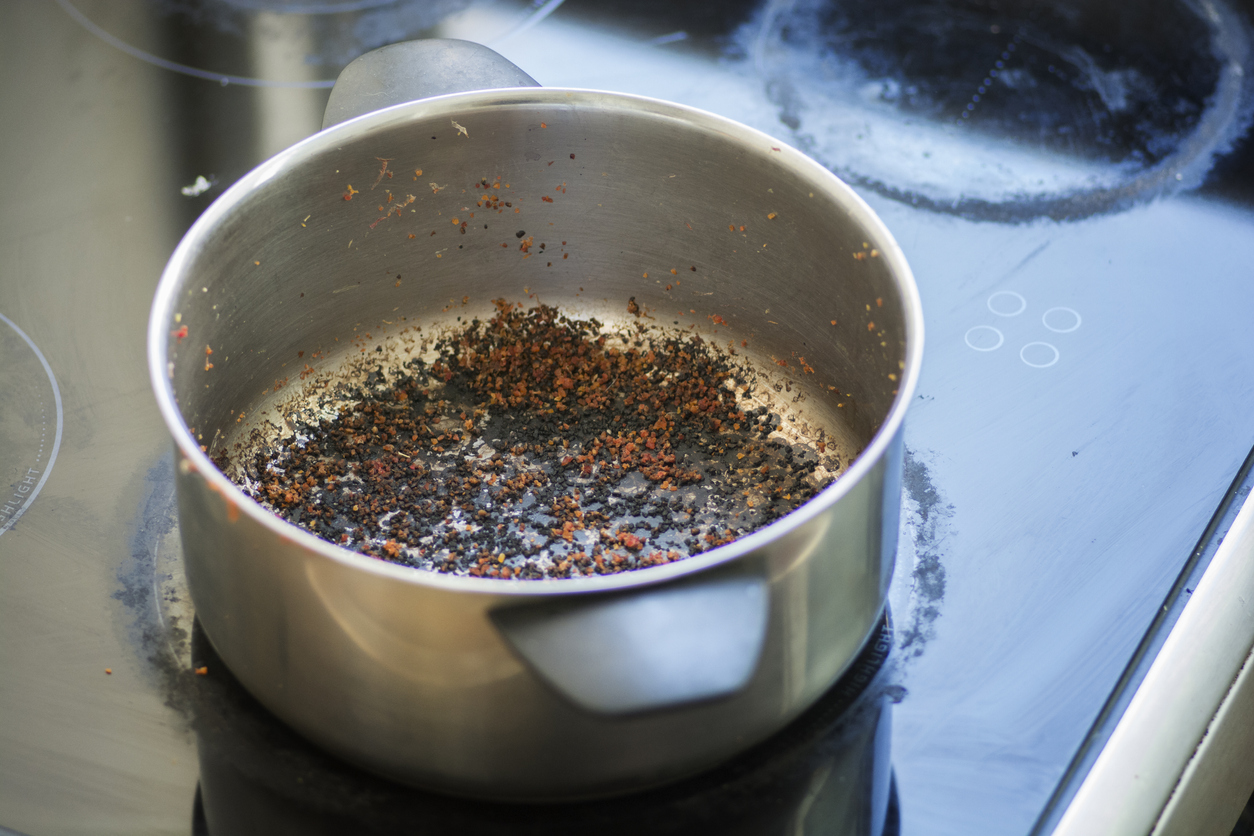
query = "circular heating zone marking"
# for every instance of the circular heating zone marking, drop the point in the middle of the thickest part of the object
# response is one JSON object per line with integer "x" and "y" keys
{"x": 30, "y": 422}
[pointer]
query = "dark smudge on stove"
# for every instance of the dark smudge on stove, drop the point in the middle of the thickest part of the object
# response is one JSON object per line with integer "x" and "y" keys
{"x": 1006, "y": 109}
{"x": 160, "y": 639}
{"x": 927, "y": 524}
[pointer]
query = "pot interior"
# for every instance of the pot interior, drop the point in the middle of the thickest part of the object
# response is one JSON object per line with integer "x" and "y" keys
{"x": 357, "y": 249}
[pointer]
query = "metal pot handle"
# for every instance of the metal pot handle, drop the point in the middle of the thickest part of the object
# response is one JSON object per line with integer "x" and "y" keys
{"x": 413, "y": 70}
{"x": 644, "y": 650}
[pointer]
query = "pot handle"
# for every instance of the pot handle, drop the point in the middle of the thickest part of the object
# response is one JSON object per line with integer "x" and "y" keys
{"x": 639, "y": 651}
{"x": 413, "y": 70}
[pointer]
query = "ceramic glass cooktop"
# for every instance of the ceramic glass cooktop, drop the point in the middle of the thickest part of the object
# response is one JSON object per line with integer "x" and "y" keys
{"x": 1071, "y": 183}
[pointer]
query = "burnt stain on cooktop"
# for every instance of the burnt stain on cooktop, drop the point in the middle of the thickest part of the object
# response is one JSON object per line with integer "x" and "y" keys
{"x": 1007, "y": 109}
{"x": 928, "y": 518}
{"x": 153, "y": 593}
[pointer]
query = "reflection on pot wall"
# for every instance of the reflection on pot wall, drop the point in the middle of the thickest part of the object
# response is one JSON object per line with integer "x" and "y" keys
{"x": 827, "y": 773}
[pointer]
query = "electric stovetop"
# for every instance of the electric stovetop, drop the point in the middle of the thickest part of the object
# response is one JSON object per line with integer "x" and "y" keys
{"x": 1072, "y": 183}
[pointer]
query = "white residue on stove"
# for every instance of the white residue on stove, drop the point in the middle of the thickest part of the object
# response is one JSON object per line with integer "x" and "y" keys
{"x": 199, "y": 187}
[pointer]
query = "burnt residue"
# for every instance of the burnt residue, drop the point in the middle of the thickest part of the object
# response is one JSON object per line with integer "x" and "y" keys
{"x": 535, "y": 445}
{"x": 1138, "y": 99}
{"x": 927, "y": 521}
{"x": 158, "y": 638}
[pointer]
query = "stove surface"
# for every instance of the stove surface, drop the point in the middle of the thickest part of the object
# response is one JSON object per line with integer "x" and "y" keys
{"x": 1072, "y": 184}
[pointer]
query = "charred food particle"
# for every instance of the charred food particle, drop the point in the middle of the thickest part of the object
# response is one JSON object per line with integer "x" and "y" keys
{"x": 537, "y": 445}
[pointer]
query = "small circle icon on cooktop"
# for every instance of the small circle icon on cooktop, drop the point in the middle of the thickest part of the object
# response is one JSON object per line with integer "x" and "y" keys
{"x": 1039, "y": 355}
{"x": 1061, "y": 320}
{"x": 984, "y": 338}
{"x": 1007, "y": 303}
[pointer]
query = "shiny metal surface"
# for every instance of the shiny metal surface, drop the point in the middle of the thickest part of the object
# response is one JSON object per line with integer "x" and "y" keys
{"x": 829, "y": 775}
{"x": 413, "y": 70}
{"x": 402, "y": 671}
{"x": 1195, "y": 700}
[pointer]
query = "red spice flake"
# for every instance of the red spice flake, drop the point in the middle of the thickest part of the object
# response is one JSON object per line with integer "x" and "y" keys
{"x": 879, "y": 302}
{"x": 543, "y": 125}
{"x": 181, "y": 333}
{"x": 718, "y": 320}
{"x": 109, "y": 671}
{"x": 208, "y": 350}
{"x": 572, "y": 156}
{"x": 203, "y": 670}
{"x": 348, "y": 195}
{"x": 546, "y": 198}
{"x": 632, "y": 307}
{"x": 208, "y": 365}
{"x": 382, "y": 171}
{"x": 870, "y": 326}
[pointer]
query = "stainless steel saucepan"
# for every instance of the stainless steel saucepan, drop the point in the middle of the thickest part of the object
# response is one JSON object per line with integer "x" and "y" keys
{"x": 542, "y": 689}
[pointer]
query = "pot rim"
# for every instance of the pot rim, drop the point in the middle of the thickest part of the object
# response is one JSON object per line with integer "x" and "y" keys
{"x": 458, "y": 104}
